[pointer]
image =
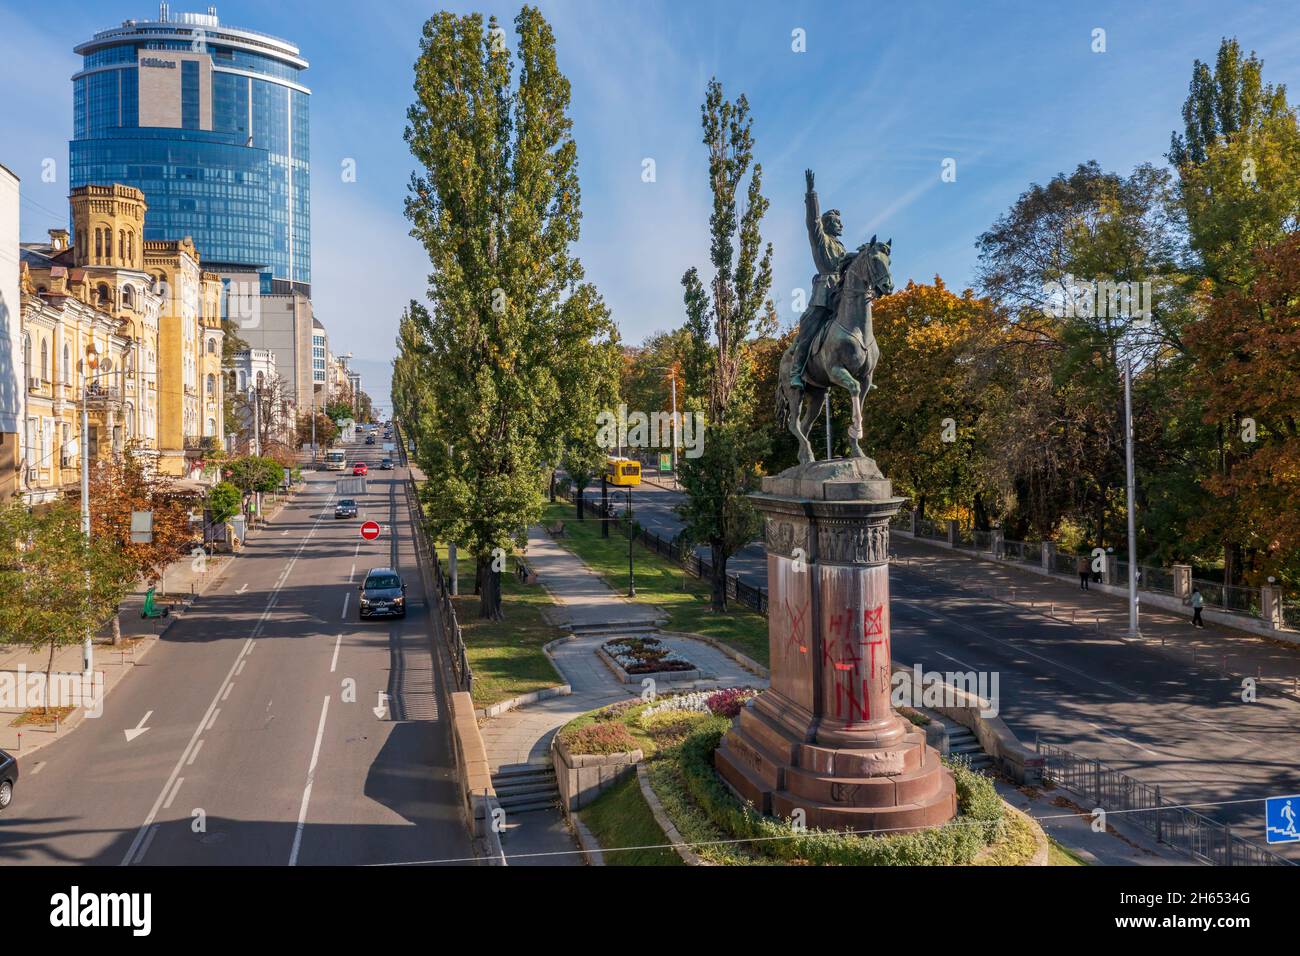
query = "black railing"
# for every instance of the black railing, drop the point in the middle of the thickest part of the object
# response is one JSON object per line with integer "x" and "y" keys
{"x": 446, "y": 626}
{"x": 1191, "y": 833}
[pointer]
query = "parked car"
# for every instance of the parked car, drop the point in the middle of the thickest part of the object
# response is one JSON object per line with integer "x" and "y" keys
{"x": 360, "y": 469}
{"x": 383, "y": 593}
{"x": 8, "y": 777}
{"x": 346, "y": 508}
{"x": 386, "y": 465}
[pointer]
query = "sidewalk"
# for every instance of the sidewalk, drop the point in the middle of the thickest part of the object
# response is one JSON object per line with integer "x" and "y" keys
{"x": 1274, "y": 664}
{"x": 523, "y": 735}
{"x": 186, "y": 577}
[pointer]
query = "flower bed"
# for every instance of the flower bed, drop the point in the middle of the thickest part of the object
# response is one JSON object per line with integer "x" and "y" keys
{"x": 633, "y": 659}
{"x": 645, "y": 655}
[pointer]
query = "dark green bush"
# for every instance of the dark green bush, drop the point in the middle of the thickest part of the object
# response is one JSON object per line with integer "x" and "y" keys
{"x": 978, "y": 822}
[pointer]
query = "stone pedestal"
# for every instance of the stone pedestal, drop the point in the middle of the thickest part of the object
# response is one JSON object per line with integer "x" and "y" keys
{"x": 824, "y": 738}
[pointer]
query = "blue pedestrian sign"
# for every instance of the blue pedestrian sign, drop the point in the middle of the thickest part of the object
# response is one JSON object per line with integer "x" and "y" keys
{"x": 1282, "y": 819}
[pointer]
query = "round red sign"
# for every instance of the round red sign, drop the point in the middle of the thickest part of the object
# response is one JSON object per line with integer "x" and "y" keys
{"x": 370, "y": 530}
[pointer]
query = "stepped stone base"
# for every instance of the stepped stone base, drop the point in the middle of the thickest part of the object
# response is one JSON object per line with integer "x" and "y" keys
{"x": 890, "y": 789}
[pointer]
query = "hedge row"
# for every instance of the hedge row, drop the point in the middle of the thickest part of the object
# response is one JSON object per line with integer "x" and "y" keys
{"x": 978, "y": 823}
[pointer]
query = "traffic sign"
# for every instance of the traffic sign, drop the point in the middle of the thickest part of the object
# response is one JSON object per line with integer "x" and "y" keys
{"x": 370, "y": 530}
{"x": 1280, "y": 818}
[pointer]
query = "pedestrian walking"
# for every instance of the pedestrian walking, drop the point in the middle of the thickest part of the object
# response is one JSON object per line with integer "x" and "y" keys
{"x": 1082, "y": 567}
{"x": 1198, "y": 602}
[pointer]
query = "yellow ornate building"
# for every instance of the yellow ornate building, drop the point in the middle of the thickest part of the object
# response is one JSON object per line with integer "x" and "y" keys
{"x": 189, "y": 342}
{"x": 125, "y": 325}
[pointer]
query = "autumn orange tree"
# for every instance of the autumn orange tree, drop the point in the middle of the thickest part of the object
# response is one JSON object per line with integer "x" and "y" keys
{"x": 122, "y": 485}
{"x": 1248, "y": 376}
{"x": 927, "y": 424}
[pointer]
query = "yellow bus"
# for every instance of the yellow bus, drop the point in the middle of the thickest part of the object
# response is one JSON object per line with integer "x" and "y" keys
{"x": 623, "y": 471}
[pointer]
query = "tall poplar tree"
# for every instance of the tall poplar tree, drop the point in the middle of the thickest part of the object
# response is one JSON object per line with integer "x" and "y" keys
{"x": 718, "y": 374}
{"x": 515, "y": 348}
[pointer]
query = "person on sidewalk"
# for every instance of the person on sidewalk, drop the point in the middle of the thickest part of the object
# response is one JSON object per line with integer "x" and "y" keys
{"x": 1082, "y": 567}
{"x": 1198, "y": 602}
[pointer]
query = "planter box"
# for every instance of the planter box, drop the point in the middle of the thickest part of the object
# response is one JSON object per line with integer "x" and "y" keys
{"x": 584, "y": 777}
{"x": 657, "y": 676}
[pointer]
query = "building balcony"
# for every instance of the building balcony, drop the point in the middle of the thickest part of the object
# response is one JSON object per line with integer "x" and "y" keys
{"x": 202, "y": 443}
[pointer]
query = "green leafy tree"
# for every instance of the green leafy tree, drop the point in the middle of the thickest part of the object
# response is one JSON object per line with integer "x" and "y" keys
{"x": 718, "y": 323}
{"x": 55, "y": 586}
{"x": 505, "y": 370}
{"x": 225, "y": 501}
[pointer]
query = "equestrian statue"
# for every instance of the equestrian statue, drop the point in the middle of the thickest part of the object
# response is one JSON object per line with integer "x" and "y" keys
{"x": 835, "y": 344}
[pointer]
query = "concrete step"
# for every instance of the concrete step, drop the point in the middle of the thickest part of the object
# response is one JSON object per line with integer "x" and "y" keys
{"x": 615, "y": 629}
{"x": 526, "y": 789}
{"x": 527, "y": 806}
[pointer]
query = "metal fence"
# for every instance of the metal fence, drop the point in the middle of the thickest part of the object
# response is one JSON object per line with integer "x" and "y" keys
{"x": 675, "y": 549}
{"x": 1191, "y": 833}
{"x": 440, "y": 602}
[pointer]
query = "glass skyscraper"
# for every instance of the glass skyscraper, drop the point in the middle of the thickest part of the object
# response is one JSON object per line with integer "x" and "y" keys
{"x": 212, "y": 124}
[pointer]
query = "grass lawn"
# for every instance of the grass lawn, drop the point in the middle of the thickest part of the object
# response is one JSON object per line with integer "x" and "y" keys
{"x": 619, "y": 818}
{"x": 684, "y": 599}
{"x": 505, "y": 656}
{"x": 1059, "y": 855}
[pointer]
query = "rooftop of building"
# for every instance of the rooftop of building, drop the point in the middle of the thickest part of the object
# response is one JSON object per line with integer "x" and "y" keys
{"x": 186, "y": 26}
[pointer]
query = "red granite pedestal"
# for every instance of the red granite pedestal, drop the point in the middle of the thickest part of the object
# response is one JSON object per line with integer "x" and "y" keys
{"x": 825, "y": 739}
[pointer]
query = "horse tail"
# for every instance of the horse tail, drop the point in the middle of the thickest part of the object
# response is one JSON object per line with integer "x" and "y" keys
{"x": 782, "y": 406}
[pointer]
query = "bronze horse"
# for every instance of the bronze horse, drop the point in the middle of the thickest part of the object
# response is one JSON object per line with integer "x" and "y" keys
{"x": 844, "y": 353}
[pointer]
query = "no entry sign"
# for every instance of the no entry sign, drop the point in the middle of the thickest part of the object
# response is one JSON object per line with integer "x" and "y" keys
{"x": 370, "y": 530}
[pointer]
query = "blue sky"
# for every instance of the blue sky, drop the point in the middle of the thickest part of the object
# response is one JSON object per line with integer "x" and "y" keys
{"x": 883, "y": 94}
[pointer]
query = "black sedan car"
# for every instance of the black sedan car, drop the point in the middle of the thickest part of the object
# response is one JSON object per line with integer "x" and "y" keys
{"x": 370, "y": 439}
{"x": 383, "y": 594}
{"x": 8, "y": 777}
{"x": 346, "y": 508}
{"x": 386, "y": 465}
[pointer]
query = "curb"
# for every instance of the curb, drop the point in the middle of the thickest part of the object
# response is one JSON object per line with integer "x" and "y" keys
{"x": 748, "y": 663}
{"x": 592, "y": 854}
{"x": 78, "y": 716}
{"x": 546, "y": 693}
{"x": 680, "y": 847}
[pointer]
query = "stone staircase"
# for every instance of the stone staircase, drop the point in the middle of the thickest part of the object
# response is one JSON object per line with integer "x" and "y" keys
{"x": 522, "y": 788}
{"x": 962, "y": 742}
{"x": 612, "y": 629}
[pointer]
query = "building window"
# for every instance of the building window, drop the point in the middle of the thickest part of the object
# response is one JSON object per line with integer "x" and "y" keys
{"x": 102, "y": 292}
{"x": 67, "y": 366}
{"x": 121, "y": 243}
{"x": 99, "y": 244}
{"x": 45, "y": 361}
{"x": 128, "y": 298}
{"x": 212, "y": 384}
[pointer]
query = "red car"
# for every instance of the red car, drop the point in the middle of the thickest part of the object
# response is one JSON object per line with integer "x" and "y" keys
{"x": 360, "y": 469}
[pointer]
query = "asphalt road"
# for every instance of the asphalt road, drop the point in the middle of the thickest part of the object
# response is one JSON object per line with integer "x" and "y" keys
{"x": 1128, "y": 705}
{"x": 278, "y": 729}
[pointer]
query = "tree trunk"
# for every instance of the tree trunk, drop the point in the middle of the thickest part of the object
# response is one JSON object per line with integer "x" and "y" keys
{"x": 481, "y": 565}
{"x": 578, "y": 499}
{"x": 719, "y": 599}
{"x": 489, "y": 607}
{"x": 49, "y": 671}
{"x": 117, "y": 625}
{"x": 552, "y": 486}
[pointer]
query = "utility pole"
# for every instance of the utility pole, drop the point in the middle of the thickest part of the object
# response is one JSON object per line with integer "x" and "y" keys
{"x": 827, "y": 404}
{"x": 257, "y": 437}
{"x": 92, "y": 363}
{"x": 631, "y": 577}
{"x": 674, "y": 380}
{"x": 1133, "y": 630}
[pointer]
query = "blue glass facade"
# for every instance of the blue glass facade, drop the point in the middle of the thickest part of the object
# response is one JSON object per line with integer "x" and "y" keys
{"x": 232, "y": 166}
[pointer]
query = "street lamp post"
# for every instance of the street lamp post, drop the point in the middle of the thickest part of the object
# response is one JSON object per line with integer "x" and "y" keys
{"x": 631, "y": 576}
{"x": 1133, "y": 629}
{"x": 92, "y": 363}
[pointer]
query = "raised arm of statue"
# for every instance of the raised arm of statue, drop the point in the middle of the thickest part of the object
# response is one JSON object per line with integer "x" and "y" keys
{"x": 813, "y": 209}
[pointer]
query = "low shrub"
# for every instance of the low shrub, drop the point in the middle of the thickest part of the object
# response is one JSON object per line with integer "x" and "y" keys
{"x": 978, "y": 823}
{"x": 668, "y": 728}
{"x": 727, "y": 703}
{"x": 602, "y": 737}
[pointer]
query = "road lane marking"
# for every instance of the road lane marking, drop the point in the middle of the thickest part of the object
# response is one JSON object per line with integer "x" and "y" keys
{"x": 344, "y": 615}
{"x": 194, "y": 753}
{"x": 335, "y": 661}
{"x": 215, "y": 714}
{"x": 145, "y": 834}
{"x": 175, "y": 790}
{"x": 229, "y": 688}
{"x": 37, "y": 769}
{"x": 240, "y": 669}
{"x": 311, "y": 778}
{"x": 352, "y": 575}
{"x": 153, "y": 831}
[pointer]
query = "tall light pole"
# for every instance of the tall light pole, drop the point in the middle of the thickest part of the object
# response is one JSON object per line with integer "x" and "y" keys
{"x": 827, "y": 404}
{"x": 1133, "y": 630}
{"x": 631, "y": 577}
{"x": 92, "y": 363}
{"x": 672, "y": 370}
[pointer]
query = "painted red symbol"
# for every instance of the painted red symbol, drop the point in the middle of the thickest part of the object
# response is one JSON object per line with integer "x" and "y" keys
{"x": 370, "y": 530}
{"x": 871, "y": 625}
